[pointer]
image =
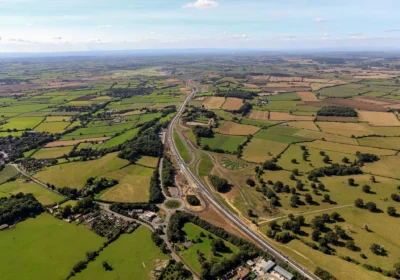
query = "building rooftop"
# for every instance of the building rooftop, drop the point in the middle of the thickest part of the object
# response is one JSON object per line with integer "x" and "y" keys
{"x": 267, "y": 266}
{"x": 243, "y": 273}
{"x": 283, "y": 272}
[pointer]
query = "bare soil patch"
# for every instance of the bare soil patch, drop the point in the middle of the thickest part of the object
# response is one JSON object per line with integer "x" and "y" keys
{"x": 376, "y": 101}
{"x": 232, "y": 104}
{"x": 355, "y": 104}
{"x": 85, "y": 98}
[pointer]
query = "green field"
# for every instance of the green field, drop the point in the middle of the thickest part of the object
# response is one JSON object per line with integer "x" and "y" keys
{"x": 133, "y": 186}
{"x": 118, "y": 140}
{"x": 52, "y": 152}
{"x": 232, "y": 165}
{"x": 75, "y": 174}
{"x": 7, "y": 173}
{"x": 131, "y": 256}
{"x": 52, "y": 127}
{"x": 21, "y": 123}
{"x": 205, "y": 165}
{"x": 44, "y": 248}
{"x": 42, "y": 194}
{"x": 343, "y": 91}
{"x": 190, "y": 256}
{"x": 224, "y": 142}
{"x": 184, "y": 153}
{"x": 381, "y": 142}
{"x": 281, "y": 138}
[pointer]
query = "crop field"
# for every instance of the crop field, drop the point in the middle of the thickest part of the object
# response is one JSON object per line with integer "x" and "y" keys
{"x": 307, "y": 96}
{"x": 392, "y": 143}
{"x": 190, "y": 256}
{"x": 232, "y": 104}
{"x": 74, "y": 142}
{"x": 386, "y": 166}
{"x": 42, "y": 194}
{"x": 224, "y": 142}
{"x": 231, "y": 128}
{"x": 22, "y": 123}
{"x": 55, "y": 152}
{"x": 359, "y": 105}
{"x": 132, "y": 256}
{"x": 304, "y": 125}
{"x": 58, "y": 119}
{"x": 118, "y": 140}
{"x": 231, "y": 165}
{"x": 60, "y": 175}
{"x": 343, "y": 91}
{"x": 214, "y": 102}
{"x": 148, "y": 161}
{"x": 52, "y": 127}
{"x": 281, "y": 138}
{"x": 281, "y": 116}
{"x": 348, "y": 149}
{"x": 45, "y": 247}
{"x": 259, "y": 115}
{"x": 346, "y": 129}
{"x": 133, "y": 186}
{"x": 379, "y": 118}
{"x": 326, "y": 136}
{"x": 260, "y": 150}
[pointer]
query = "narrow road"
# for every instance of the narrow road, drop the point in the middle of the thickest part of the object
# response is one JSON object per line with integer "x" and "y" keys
{"x": 193, "y": 179}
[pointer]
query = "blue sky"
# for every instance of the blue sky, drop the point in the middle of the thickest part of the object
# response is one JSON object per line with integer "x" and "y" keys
{"x": 77, "y": 25}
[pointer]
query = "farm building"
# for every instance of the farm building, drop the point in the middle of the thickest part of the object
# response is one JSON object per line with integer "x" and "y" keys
{"x": 243, "y": 273}
{"x": 267, "y": 266}
{"x": 285, "y": 274}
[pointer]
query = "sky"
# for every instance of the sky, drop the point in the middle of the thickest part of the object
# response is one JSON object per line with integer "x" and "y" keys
{"x": 84, "y": 25}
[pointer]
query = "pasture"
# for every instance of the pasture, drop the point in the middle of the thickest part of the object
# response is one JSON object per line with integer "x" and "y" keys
{"x": 131, "y": 256}
{"x": 193, "y": 231}
{"x": 133, "y": 186}
{"x": 7, "y": 173}
{"x": 42, "y": 194}
{"x": 44, "y": 248}
{"x": 260, "y": 150}
{"x": 52, "y": 127}
{"x": 224, "y": 142}
{"x": 22, "y": 123}
{"x": 60, "y": 175}
{"x": 55, "y": 152}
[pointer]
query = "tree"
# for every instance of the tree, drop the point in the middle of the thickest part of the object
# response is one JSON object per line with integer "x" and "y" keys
{"x": 218, "y": 183}
{"x": 308, "y": 198}
{"x": 351, "y": 182}
{"x": 351, "y": 245}
{"x": 106, "y": 266}
{"x": 322, "y": 153}
{"x": 359, "y": 203}
{"x": 316, "y": 235}
{"x": 371, "y": 206}
{"x": 294, "y": 160}
{"x": 345, "y": 160}
{"x": 66, "y": 211}
{"x": 327, "y": 198}
{"x": 192, "y": 200}
{"x": 323, "y": 274}
{"x": 391, "y": 211}
{"x": 326, "y": 159}
{"x": 321, "y": 187}
{"x": 250, "y": 182}
{"x": 335, "y": 216}
{"x": 217, "y": 245}
{"x": 377, "y": 249}
{"x": 299, "y": 186}
{"x": 292, "y": 177}
{"x": 283, "y": 237}
{"x": 294, "y": 200}
{"x": 331, "y": 237}
{"x": 295, "y": 172}
{"x": 366, "y": 189}
{"x": 373, "y": 180}
{"x": 395, "y": 197}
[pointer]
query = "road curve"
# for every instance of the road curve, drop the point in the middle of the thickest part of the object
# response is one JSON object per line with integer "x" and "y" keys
{"x": 223, "y": 210}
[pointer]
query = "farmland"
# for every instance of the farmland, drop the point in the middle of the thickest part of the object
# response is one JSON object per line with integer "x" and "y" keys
{"x": 54, "y": 256}
{"x": 132, "y": 256}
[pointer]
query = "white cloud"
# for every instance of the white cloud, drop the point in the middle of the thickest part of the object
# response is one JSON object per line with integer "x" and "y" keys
{"x": 324, "y": 29}
{"x": 392, "y": 30}
{"x": 320, "y": 20}
{"x": 57, "y": 38}
{"x": 355, "y": 34}
{"x": 202, "y": 4}
{"x": 103, "y": 26}
{"x": 326, "y": 34}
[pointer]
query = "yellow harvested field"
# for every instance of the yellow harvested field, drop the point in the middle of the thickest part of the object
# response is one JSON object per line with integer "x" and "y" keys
{"x": 259, "y": 150}
{"x": 381, "y": 142}
{"x": 379, "y": 118}
{"x": 259, "y": 115}
{"x": 251, "y": 86}
{"x": 74, "y": 142}
{"x": 172, "y": 81}
{"x": 260, "y": 78}
{"x": 285, "y": 79}
{"x": 346, "y": 129}
{"x": 232, "y": 104}
{"x": 55, "y": 152}
{"x": 148, "y": 161}
{"x": 231, "y": 128}
{"x": 307, "y": 96}
{"x": 386, "y": 166}
{"x": 327, "y": 136}
{"x": 377, "y": 76}
{"x": 58, "y": 118}
{"x": 347, "y": 149}
{"x": 324, "y": 81}
{"x": 214, "y": 102}
{"x": 304, "y": 125}
{"x": 279, "y": 116}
